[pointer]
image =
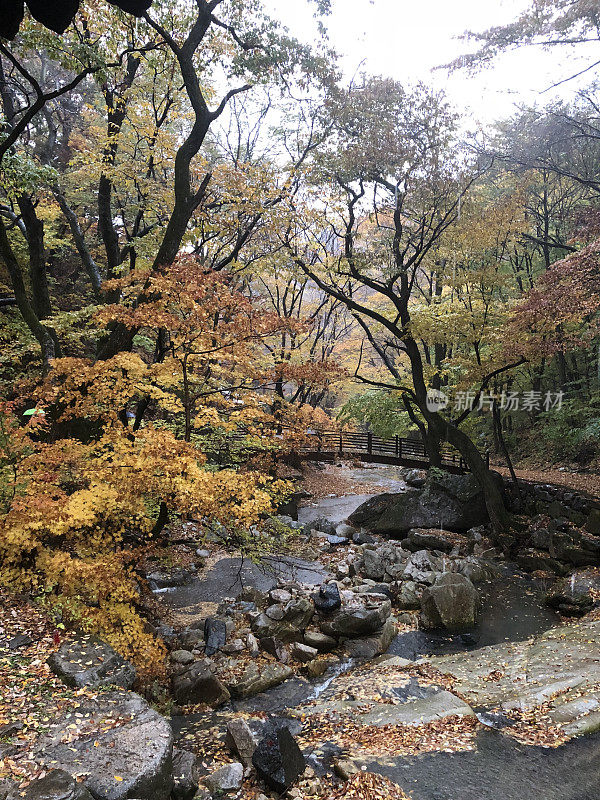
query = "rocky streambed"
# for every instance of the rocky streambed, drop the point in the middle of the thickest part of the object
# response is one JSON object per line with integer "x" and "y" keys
{"x": 429, "y": 659}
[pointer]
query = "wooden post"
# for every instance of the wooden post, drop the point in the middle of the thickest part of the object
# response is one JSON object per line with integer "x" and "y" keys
{"x": 369, "y": 443}
{"x": 341, "y": 443}
{"x": 397, "y": 447}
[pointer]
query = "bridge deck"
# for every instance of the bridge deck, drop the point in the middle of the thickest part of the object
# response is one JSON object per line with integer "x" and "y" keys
{"x": 367, "y": 447}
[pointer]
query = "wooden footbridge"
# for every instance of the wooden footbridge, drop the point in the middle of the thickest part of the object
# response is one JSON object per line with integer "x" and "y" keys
{"x": 400, "y": 451}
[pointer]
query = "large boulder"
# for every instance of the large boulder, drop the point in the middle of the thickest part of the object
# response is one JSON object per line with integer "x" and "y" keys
{"x": 86, "y": 661}
{"x": 451, "y": 502}
{"x": 357, "y": 618}
{"x": 278, "y": 759}
{"x": 451, "y": 603}
{"x": 198, "y": 684}
{"x": 123, "y": 747}
{"x": 287, "y": 623}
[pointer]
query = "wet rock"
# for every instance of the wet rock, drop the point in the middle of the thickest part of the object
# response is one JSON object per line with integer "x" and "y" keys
{"x": 452, "y": 502}
{"x": 451, "y": 603}
{"x": 574, "y": 596}
{"x": 320, "y": 641}
{"x": 198, "y": 684}
{"x": 56, "y": 785}
{"x": 276, "y": 648}
{"x": 303, "y": 653}
{"x": 168, "y": 580}
{"x": 427, "y": 540}
{"x": 183, "y": 657}
{"x": 240, "y": 740}
{"x": 408, "y": 595}
{"x": 185, "y": 781}
{"x": 327, "y": 599}
{"x": 215, "y": 635}
{"x": 86, "y": 661}
{"x": 371, "y": 646}
{"x": 533, "y": 560}
{"x": 137, "y": 747}
{"x": 226, "y": 780}
{"x": 278, "y": 759}
{"x": 323, "y": 525}
{"x": 421, "y": 568}
{"x": 254, "y": 680}
{"x": 356, "y": 619}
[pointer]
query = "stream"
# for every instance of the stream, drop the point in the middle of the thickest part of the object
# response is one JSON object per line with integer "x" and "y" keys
{"x": 512, "y": 610}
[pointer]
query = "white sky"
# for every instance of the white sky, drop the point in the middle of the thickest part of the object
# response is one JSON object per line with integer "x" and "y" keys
{"x": 405, "y": 39}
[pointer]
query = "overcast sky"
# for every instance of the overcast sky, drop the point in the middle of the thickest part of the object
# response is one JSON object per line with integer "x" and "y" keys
{"x": 405, "y": 39}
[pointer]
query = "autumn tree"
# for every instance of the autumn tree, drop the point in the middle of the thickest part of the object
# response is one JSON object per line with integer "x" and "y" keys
{"x": 397, "y": 190}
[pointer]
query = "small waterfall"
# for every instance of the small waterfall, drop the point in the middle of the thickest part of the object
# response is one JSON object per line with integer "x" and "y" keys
{"x": 572, "y": 583}
{"x": 335, "y": 672}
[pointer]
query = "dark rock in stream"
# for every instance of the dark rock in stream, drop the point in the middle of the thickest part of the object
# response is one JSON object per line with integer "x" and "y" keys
{"x": 215, "y": 635}
{"x": 278, "y": 759}
{"x": 327, "y": 599}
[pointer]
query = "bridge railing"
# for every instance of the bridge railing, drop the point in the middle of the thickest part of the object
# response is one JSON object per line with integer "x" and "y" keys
{"x": 395, "y": 448}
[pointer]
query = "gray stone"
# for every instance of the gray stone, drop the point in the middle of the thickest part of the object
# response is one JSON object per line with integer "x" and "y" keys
{"x": 451, "y": 502}
{"x": 297, "y": 613}
{"x": 327, "y": 599}
{"x": 276, "y": 648}
{"x": 254, "y": 680}
{"x": 357, "y": 619}
{"x": 198, "y": 684}
{"x": 427, "y": 540}
{"x": 302, "y": 652}
{"x": 184, "y": 775}
{"x": 408, "y": 596}
{"x": 323, "y": 525}
{"x": 182, "y": 657}
{"x": 240, "y": 740}
{"x": 86, "y": 661}
{"x": 320, "y": 641}
{"x": 56, "y": 785}
{"x": 373, "y": 565}
{"x": 137, "y": 747}
{"x": 421, "y": 568}
{"x": 561, "y": 665}
{"x": 372, "y": 646}
{"x": 226, "y": 780}
{"x": 451, "y": 603}
{"x": 169, "y": 580}
{"x": 593, "y": 522}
